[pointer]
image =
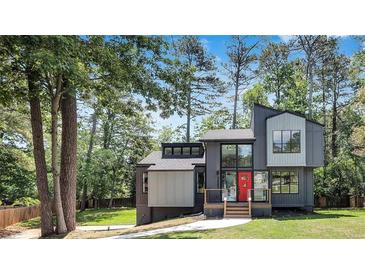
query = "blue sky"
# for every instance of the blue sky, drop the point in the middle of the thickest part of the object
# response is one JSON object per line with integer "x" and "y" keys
{"x": 216, "y": 45}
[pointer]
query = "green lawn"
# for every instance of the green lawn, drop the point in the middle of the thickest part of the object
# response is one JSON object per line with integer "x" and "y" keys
{"x": 322, "y": 224}
{"x": 102, "y": 216}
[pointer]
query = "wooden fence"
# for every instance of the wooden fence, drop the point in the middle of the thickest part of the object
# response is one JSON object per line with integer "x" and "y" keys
{"x": 14, "y": 215}
{"x": 104, "y": 203}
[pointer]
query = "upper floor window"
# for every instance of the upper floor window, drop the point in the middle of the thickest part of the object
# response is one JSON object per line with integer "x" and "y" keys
{"x": 145, "y": 182}
{"x": 182, "y": 150}
{"x": 286, "y": 141}
{"x": 236, "y": 155}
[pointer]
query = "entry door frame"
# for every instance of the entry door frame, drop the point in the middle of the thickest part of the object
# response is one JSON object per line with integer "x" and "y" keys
{"x": 238, "y": 184}
{"x": 236, "y": 168}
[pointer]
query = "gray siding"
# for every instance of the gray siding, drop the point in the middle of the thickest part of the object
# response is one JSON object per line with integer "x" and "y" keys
{"x": 147, "y": 214}
{"x": 315, "y": 144}
{"x": 259, "y": 119}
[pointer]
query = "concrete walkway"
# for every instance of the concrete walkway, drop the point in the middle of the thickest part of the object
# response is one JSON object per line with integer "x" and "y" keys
{"x": 199, "y": 225}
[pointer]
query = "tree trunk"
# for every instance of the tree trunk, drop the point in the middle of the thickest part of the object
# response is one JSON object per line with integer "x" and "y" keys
{"x": 68, "y": 159}
{"x": 188, "y": 118}
{"x": 334, "y": 123}
{"x": 39, "y": 158}
{"x": 235, "y": 103}
{"x": 61, "y": 225}
{"x": 310, "y": 95}
{"x": 88, "y": 159}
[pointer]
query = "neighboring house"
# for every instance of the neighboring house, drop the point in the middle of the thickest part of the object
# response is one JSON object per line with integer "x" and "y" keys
{"x": 236, "y": 172}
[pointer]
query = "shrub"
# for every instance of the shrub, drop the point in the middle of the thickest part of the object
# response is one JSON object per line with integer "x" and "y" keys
{"x": 26, "y": 201}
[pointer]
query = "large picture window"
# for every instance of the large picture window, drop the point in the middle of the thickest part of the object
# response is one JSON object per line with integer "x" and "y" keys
{"x": 286, "y": 141}
{"x": 236, "y": 155}
{"x": 285, "y": 182}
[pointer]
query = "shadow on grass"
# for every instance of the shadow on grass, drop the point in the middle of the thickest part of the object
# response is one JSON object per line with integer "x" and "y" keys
{"x": 286, "y": 215}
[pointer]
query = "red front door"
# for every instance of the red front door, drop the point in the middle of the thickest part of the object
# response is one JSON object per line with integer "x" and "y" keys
{"x": 244, "y": 184}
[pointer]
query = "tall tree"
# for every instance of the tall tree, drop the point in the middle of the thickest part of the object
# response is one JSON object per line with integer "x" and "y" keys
{"x": 241, "y": 56}
{"x": 311, "y": 45}
{"x": 198, "y": 85}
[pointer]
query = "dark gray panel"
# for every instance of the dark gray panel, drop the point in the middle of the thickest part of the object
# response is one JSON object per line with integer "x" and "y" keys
{"x": 212, "y": 155}
{"x": 260, "y": 114}
{"x": 314, "y": 145}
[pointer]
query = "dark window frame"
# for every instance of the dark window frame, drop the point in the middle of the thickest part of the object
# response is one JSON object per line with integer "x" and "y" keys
{"x": 282, "y": 143}
{"x": 296, "y": 173}
{"x": 197, "y": 172}
{"x": 180, "y": 147}
{"x": 144, "y": 183}
{"x": 236, "y": 166}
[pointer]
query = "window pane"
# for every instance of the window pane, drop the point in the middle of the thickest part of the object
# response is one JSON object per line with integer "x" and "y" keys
{"x": 229, "y": 179}
{"x": 276, "y": 182}
{"x": 286, "y": 140}
{"x": 295, "y": 141}
{"x": 186, "y": 150}
{"x": 261, "y": 184}
{"x": 145, "y": 182}
{"x": 228, "y": 155}
{"x": 285, "y": 182}
{"x": 177, "y": 150}
{"x": 277, "y": 148}
{"x": 277, "y": 136}
{"x": 294, "y": 186}
{"x": 261, "y": 179}
{"x": 200, "y": 182}
{"x": 195, "y": 151}
{"x": 168, "y": 151}
{"x": 244, "y": 155}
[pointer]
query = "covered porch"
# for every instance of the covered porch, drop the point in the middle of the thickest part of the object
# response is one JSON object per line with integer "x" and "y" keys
{"x": 219, "y": 203}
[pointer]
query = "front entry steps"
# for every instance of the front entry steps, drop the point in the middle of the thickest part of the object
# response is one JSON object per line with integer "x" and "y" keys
{"x": 237, "y": 210}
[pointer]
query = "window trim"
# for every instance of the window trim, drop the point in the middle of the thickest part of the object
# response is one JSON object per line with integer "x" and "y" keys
{"x": 281, "y": 141}
{"x": 295, "y": 172}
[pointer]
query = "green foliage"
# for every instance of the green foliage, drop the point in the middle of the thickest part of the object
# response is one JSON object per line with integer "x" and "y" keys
{"x": 256, "y": 94}
{"x": 220, "y": 119}
{"x": 26, "y": 201}
{"x": 16, "y": 179}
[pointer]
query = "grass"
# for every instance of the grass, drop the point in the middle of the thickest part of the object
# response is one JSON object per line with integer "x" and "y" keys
{"x": 322, "y": 224}
{"x": 104, "y": 216}
{"x": 102, "y": 234}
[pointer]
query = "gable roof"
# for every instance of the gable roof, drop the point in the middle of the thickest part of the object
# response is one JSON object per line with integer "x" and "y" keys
{"x": 156, "y": 162}
{"x": 228, "y": 135}
{"x": 296, "y": 114}
{"x": 288, "y": 111}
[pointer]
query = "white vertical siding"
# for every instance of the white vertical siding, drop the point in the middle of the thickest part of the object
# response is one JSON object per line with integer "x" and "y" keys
{"x": 171, "y": 188}
{"x": 285, "y": 121}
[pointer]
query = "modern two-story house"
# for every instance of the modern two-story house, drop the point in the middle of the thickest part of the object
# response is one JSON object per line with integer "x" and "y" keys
{"x": 234, "y": 172}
